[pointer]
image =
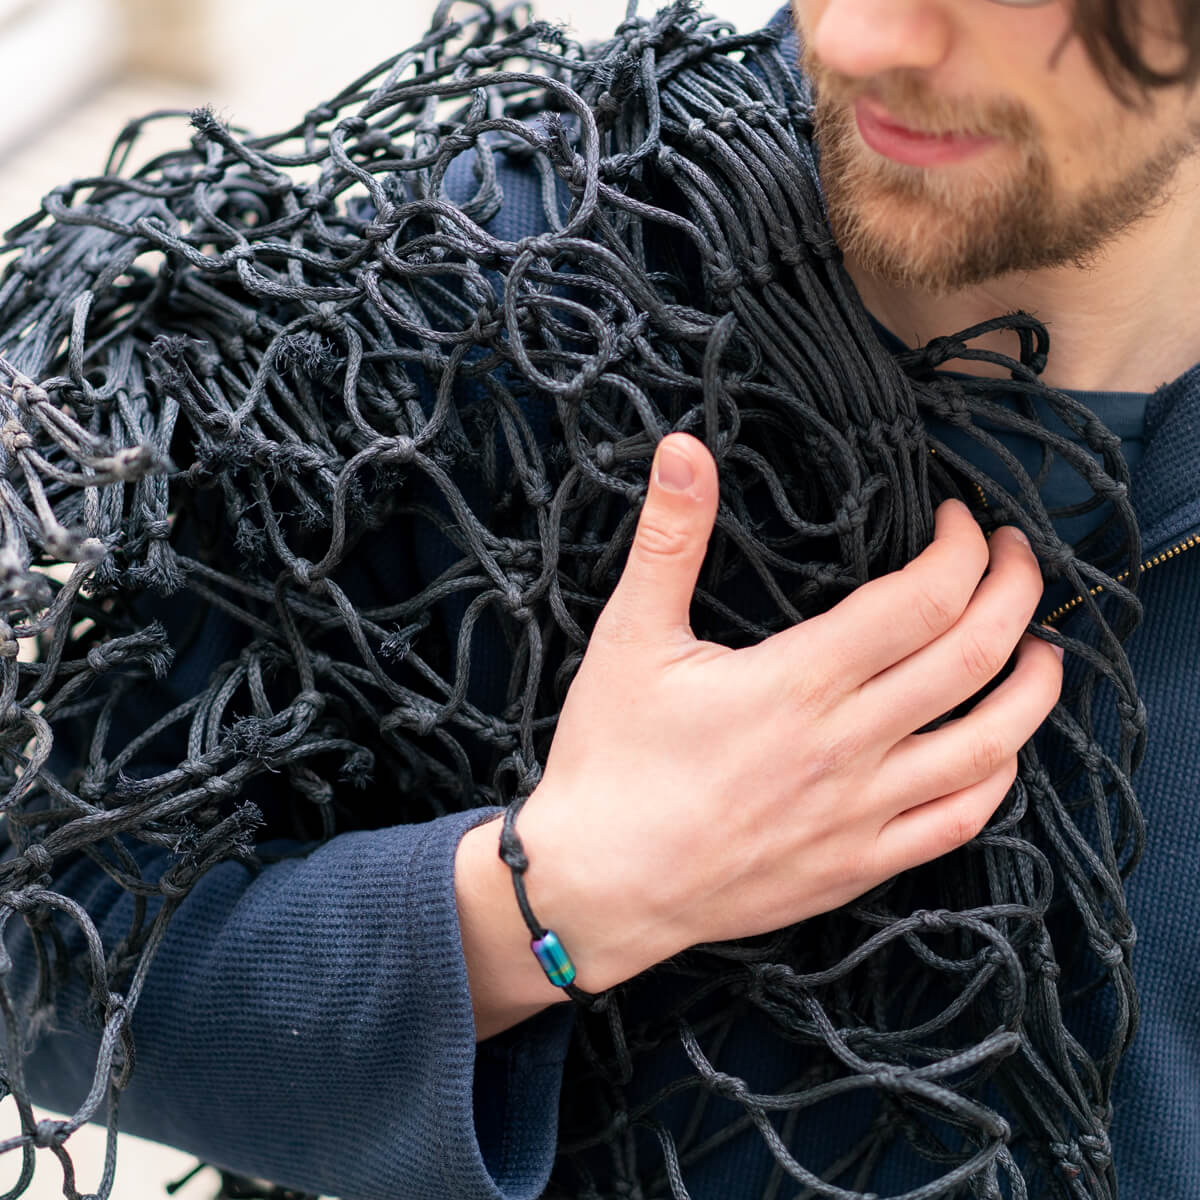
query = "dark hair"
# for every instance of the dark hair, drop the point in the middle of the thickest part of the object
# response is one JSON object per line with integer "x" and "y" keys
{"x": 1112, "y": 31}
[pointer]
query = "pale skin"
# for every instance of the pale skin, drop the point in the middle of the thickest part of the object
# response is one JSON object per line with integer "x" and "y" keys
{"x": 695, "y": 793}
{"x": 1122, "y": 322}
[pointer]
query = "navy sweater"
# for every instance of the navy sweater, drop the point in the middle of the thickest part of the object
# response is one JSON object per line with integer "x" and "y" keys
{"x": 311, "y": 1023}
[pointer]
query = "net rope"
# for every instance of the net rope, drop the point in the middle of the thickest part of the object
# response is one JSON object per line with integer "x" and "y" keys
{"x": 228, "y": 372}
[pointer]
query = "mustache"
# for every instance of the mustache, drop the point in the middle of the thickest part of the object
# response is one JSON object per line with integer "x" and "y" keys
{"x": 911, "y": 103}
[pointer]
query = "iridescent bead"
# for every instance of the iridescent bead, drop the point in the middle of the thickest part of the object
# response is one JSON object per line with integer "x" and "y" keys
{"x": 556, "y": 962}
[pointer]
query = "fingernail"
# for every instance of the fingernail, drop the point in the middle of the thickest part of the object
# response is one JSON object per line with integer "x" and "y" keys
{"x": 1019, "y": 534}
{"x": 1057, "y": 650}
{"x": 673, "y": 470}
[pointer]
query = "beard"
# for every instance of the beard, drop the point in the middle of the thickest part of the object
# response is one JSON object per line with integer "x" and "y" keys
{"x": 942, "y": 229}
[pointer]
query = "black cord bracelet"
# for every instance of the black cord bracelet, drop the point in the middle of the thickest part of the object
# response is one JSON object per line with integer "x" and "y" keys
{"x": 547, "y": 949}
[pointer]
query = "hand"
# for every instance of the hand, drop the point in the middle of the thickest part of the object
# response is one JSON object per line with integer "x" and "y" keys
{"x": 695, "y": 793}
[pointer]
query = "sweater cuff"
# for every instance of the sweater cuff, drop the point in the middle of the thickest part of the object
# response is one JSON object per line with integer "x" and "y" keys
{"x": 507, "y": 1133}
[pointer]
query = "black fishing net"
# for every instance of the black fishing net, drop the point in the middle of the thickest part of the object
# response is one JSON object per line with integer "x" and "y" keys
{"x": 231, "y": 373}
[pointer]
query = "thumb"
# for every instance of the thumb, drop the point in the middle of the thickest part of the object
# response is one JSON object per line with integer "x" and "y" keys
{"x": 654, "y": 594}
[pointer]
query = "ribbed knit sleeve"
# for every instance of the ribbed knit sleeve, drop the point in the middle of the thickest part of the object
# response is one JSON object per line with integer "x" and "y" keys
{"x": 311, "y": 1024}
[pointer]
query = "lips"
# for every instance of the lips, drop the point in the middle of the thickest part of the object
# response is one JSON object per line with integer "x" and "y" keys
{"x": 883, "y": 134}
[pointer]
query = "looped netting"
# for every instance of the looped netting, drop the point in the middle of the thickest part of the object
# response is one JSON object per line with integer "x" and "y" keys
{"x": 233, "y": 374}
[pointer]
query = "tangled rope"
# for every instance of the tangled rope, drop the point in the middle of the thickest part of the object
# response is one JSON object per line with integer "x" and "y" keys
{"x": 231, "y": 372}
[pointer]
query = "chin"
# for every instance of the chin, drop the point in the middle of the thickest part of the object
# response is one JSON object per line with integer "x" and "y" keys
{"x": 909, "y": 244}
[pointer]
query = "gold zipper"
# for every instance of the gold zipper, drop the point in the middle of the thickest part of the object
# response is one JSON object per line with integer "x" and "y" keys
{"x": 1188, "y": 544}
{"x": 982, "y": 494}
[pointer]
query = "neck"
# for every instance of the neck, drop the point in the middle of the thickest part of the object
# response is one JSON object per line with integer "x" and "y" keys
{"x": 1125, "y": 322}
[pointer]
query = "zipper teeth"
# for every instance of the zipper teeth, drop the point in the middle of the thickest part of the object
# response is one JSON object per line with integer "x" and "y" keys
{"x": 982, "y": 494}
{"x": 1189, "y": 543}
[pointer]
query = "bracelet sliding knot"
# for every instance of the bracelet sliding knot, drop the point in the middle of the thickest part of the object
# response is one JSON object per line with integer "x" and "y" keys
{"x": 550, "y": 953}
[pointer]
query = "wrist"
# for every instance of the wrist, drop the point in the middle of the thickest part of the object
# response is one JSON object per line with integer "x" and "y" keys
{"x": 578, "y": 889}
{"x": 507, "y": 985}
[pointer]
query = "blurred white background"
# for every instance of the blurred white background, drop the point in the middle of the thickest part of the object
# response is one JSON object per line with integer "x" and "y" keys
{"x": 74, "y": 72}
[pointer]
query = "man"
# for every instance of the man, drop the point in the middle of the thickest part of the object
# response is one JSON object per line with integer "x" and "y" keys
{"x": 975, "y": 160}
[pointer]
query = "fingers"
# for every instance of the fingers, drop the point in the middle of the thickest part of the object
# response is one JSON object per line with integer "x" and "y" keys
{"x": 890, "y": 618}
{"x": 942, "y": 825}
{"x": 973, "y": 748}
{"x": 954, "y": 667}
{"x": 654, "y": 595}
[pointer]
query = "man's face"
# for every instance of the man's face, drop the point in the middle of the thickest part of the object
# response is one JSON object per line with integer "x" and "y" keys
{"x": 961, "y": 140}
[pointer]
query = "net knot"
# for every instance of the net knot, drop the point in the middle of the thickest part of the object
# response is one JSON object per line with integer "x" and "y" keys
{"x": 1133, "y": 710}
{"x": 219, "y": 786}
{"x": 935, "y": 921}
{"x": 175, "y": 884}
{"x": 760, "y": 274}
{"x": 13, "y": 436}
{"x": 887, "y": 1078}
{"x": 645, "y": 39}
{"x": 1107, "y": 951}
{"x": 940, "y": 350}
{"x": 384, "y": 224}
{"x": 1042, "y": 960}
{"x": 794, "y": 253}
{"x": 320, "y": 114}
{"x": 1097, "y": 1147}
{"x": 48, "y": 1134}
{"x": 93, "y": 786}
{"x": 754, "y": 114}
{"x": 607, "y": 108}
{"x": 403, "y": 451}
{"x": 424, "y": 721}
{"x": 39, "y": 858}
{"x": 327, "y": 319}
{"x": 100, "y": 658}
{"x": 725, "y": 122}
{"x": 309, "y": 699}
{"x": 514, "y": 600}
{"x": 729, "y": 1087}
{"x": 27, "y": 903}
{"x": 373, "y": 140}
{"x": 543, "y": 245}
{"x": 728, "y": 279}
{"x": 473, "y": 56}
{"x": 227, "y": 423}
{"x": 305, "y": 574}
{"x": 26, "y": 393}
{"x": 849, "y": 517}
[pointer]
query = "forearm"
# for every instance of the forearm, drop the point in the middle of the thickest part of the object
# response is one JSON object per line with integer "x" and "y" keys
{"x": 311, "y": 1024}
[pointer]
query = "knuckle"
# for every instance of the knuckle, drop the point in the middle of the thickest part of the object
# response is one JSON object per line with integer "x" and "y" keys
{"x": 932, "y": 609}
{"x": 988, "y": 755}
{"x": 962, "y": 823}
{"x": 835, "y": 756}
{"x": 980, "y": 657}
{"x": 657, "y": 538}
{"x": 810, "y": 691}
